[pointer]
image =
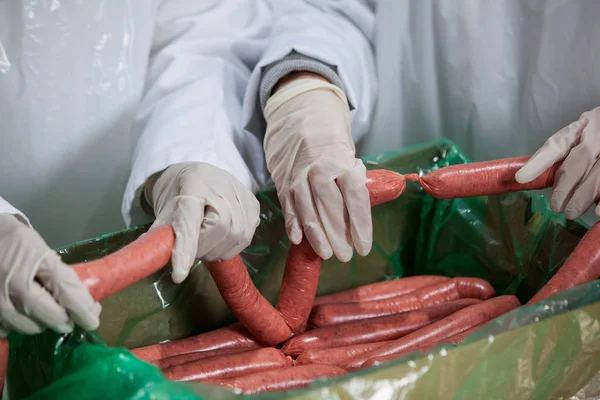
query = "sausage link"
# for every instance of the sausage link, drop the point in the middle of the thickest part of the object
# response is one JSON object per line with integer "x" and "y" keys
{"x": 281, "y": 379}
{"x": 428, "y": 296}
{"x": 458, "y": 339}
{"x": 230, "y": 337}
{"x": 454, "y": 324}
{"x": 384, "y": 186}
{"x": 455, "y": 340}
{"x": 336, "y": 355}
{"x": 134, "y": 262}
{"x": 481, "y": 179}
{"x": 372, "y": 330}
{"x": 229, "y": 365}
{"x": 299, "y": 285}
{"x": 179, "y": 359}
{"x": 381, "y": 290}
{"x": 247, "y": 303}
{"x": 582, "y": 266}
{"x": 303, "y": 265}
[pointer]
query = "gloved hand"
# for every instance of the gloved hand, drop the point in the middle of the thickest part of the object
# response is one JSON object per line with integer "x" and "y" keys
{"x": 214, "y": 215}
{"x": 38, "y": 290}
{"x": 311, "y": 156}
{"x": 577, "y": 181}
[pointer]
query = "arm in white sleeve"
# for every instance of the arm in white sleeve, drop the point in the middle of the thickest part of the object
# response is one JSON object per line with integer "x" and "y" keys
{"x": 200, "y": 63}
{"x": 331, "y": 38}
{"x": 7, "y": 208}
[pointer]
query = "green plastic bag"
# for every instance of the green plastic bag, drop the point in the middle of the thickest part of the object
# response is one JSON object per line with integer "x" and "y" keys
{"x": 514, "y": 241}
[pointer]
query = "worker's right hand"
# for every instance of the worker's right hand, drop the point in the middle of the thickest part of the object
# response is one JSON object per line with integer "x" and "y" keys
{"x": 37, "y": 289}
{"x": 577, "y": 181}
{"x": 213, "y": 215}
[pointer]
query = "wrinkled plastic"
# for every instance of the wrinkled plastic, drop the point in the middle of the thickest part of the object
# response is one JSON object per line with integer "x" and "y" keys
{"x": 549, "y": 350}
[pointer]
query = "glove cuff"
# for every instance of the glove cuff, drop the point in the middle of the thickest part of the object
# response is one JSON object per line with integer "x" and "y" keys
{"x": 294, "y": 62}
{"x": 296, "y": 88}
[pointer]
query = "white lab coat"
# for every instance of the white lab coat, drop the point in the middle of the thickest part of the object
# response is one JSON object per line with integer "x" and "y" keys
{"x": 498, "y": 77}
{"x": 87, "y": 87}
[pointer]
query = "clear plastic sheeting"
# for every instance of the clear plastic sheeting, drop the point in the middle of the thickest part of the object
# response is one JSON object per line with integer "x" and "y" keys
{"x": 549, "y": 350}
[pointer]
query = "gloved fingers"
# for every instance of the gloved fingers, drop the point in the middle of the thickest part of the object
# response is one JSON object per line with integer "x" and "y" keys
{"x": 13, "y": 320}
{"x": 234, "y": 238}
{"x": 62, "y": 282}
{"x": 575, "y": 168}
{"x": 165, "y": 217}
{"x": 310, "y": 221}
{"x": 585, "y": 194}
{"x": 293, "y": 227}
{"x": 332, "y": 213}
{"x": 186, "y": 220}
{"x": 40, "y": 306}
{"x": 352, "y": 184}
{"x": 216, "y": 229}
{"x": 242, "y": 230}
{"x": 555, "y": 149}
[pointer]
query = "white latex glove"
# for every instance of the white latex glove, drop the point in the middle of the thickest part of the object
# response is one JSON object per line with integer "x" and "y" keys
{"x": 38, "y": 290}
{"x": 577, "y": 181}
{"x": 214, "y": 215}
{"x": 311, "y": 157}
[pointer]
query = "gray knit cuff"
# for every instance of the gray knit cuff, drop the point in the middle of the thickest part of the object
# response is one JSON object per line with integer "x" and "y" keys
{"x": 294, "y": 62}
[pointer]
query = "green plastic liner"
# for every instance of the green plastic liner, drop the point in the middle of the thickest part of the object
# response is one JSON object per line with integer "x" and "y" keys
{"x": 550, "y": 350}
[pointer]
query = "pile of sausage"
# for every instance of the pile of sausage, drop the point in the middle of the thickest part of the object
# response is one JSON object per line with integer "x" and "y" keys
{"x": 346, "y": 331}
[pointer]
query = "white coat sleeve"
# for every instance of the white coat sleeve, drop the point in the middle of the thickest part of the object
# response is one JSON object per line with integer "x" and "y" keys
{"x": 7, "y": 208}
{"x": 336, "y": 33}
{"x": 200, "y": 63}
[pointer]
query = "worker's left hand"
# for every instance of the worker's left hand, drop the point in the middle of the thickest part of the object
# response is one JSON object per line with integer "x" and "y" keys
{"x": 320, "y": 182}
{"x": 577, "y": 181}
{"x": 213, "y": 214}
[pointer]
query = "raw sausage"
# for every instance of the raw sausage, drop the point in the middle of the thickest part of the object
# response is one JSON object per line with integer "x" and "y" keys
{"x": 303, "y": 265}
{"x": 372, "y": 330}
{"x": 169, "y": 362}
{"x": 458, "y": 339}
{"x": 229, "y": 365}
{"x": 453, "y": 289}
{"x": 582, "y": 266}
{"x": 381, "y": 290}
{"x": 247, "y": 303}
{"x": 299, "y": 285}
{"x": 134, "y": 262}
{"x": 481, "y": 179}
{"x": 336, "y": 355}
{"x": 384, "y": 186}
{"x": 454, "y": 324}
{"x": 281, "y": 379}
{"x": 230, "y": 337}
{"x": 444, "y": 331}
{"x": 455, "y": 340}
